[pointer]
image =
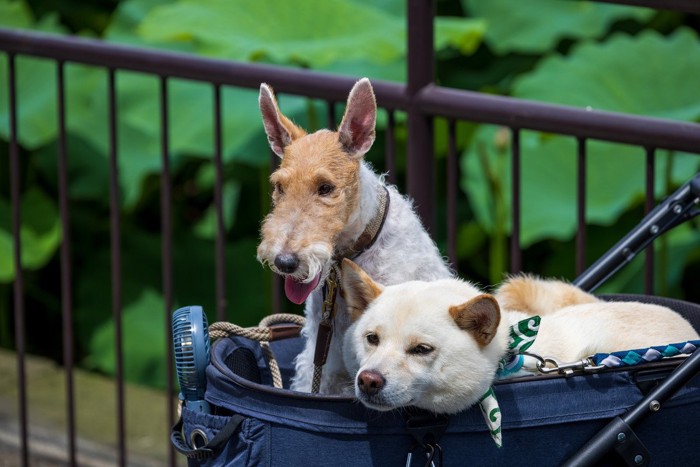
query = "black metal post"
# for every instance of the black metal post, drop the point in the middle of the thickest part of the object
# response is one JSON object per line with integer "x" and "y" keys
{"x": 390, "y": 148}
{"x": 581, "y": 207}
{"x": 66, "y": 268}
{"x": 220, "y": 247}
{"x": 452, "y": 174}
{"x": 167, "y": 252}
{"x": 18, "y": 285}
{"x": 649, "y": 202}
{"x": 116, "y": 258}
{"x": 420, "y": 170}
{"x": 516, "y": 263}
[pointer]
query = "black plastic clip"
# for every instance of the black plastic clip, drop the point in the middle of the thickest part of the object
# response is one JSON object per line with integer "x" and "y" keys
{"x": 426, "y": 429}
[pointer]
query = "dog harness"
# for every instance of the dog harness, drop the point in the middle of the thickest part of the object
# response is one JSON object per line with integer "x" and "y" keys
{"x": 331, "y": 287}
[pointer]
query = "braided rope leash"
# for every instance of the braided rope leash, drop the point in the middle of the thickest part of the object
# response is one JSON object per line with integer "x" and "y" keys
{"x": 264, "y": 333}
{"x": 650, "y": 354}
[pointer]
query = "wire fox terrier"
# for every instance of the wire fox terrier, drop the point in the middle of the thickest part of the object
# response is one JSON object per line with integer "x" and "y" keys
{"x": 329, "y": 204}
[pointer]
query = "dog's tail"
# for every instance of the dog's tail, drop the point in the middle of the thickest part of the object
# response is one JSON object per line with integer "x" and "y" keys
{"x": 536, "y": 296}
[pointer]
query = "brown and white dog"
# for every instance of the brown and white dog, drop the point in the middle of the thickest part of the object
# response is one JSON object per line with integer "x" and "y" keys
{"x": 325, "y": 199}
{"x": 437, "y": 345}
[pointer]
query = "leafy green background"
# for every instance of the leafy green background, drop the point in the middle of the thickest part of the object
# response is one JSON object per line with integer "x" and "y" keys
{"x": 582, "y": 54}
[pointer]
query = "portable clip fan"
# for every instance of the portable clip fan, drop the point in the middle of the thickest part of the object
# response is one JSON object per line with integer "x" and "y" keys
{"x": 191, "y": 347}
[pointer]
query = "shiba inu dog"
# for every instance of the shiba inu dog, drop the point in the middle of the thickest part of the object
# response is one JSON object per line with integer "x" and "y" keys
{"x": 437, "y": 345}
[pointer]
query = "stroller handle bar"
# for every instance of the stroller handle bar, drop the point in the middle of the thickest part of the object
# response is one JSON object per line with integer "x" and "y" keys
{"x": 674, "y": 210}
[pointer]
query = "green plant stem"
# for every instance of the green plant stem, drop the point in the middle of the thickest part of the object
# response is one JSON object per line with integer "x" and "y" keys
{"x": 313, "y": 116}
{"x": 497, "y": 246}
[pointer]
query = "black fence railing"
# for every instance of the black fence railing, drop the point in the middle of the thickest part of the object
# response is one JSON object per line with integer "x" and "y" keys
{"x": 420, "y": 99}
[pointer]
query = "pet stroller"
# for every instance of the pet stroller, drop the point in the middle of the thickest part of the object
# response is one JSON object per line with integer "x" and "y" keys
{"x": 637, "y": 413}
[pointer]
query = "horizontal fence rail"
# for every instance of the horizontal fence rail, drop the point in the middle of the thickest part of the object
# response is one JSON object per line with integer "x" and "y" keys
{"x": 433, "y": 100}
{"x": 584, "y": 123}
{"x": 178, "y": 65}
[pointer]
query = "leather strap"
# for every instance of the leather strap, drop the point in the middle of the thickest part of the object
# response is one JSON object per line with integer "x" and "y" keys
{"x": 332, "y": 287}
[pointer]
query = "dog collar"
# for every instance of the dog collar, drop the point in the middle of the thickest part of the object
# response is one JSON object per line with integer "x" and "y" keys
{"x": 372, "y": 229}
{"x": 522, "y": 336}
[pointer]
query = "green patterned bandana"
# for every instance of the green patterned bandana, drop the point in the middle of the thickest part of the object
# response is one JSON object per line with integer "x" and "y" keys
{"x": 492, "y": 415}
{"x": 522, "y": 336}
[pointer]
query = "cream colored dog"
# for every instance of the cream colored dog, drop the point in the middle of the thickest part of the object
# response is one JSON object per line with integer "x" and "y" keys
{"x": 437, "y": 345}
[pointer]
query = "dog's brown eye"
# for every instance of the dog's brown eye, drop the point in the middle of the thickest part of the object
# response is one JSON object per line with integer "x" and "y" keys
{"x": 421, "y": 349}
{"x": 325, "y": 189}
{"x": 372, "y": 339}
{"x": 279, "y": 189}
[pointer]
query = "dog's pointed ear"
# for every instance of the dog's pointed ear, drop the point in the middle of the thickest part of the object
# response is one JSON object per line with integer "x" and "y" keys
{"x": 480, "y": 316}
{"x": 357, "y": 129}
{"x": 359, "y": 290}
{"x": 279, "y": 129}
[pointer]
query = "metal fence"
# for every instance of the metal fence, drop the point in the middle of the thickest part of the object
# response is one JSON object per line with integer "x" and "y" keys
{"x": 420, "y": 99}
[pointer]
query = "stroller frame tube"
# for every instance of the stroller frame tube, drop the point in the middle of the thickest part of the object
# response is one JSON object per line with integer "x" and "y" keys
{"x": 674, "y": 210}
{"x": 609, "y": 437}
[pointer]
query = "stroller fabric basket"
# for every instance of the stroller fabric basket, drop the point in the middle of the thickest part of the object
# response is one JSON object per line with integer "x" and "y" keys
{"x": 545, "y": 419}
{"x": 634, "y": 415}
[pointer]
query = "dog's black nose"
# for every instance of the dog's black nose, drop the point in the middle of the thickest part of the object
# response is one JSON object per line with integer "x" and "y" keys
{"x": 370, "y": 382}
{"x": 287, "y": 263}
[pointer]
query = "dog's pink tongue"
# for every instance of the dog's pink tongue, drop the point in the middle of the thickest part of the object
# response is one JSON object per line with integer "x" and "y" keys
{"x": 297, "y": 292}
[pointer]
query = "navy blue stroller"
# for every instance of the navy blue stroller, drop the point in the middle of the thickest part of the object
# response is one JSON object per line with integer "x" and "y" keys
{"x": 628, "y": 415}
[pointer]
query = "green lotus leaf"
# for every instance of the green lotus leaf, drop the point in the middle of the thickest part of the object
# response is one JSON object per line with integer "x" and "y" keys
{"x": 144, "y": 346}
{"x": 304, "y": 32}
{"x": 15, "y": 14}
{"x": 537, "y": 26}
{"x": 641, "y": 75}
{"x": 40, "y": 233}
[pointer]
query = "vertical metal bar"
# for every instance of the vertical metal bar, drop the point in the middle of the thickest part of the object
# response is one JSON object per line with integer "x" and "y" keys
{"x": 420, "y": 170}
{"x": 18, "y": 285}
{"x": 452, "y": 178}
{"x": 167, "y": 250}
{"x": 278, "y": 297}
{"x": 330, "y": 116}
{"x": 581, "y": 207}
{"x": 515, "y": 252}
{"x": 66, "y": 263}
{"x": 648, "y": 206}
{"x": 115, "y": 243}
{"x": 219, "y": 206}
{"x": 390, "y": 147}
{"x": 278, "y": 302}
